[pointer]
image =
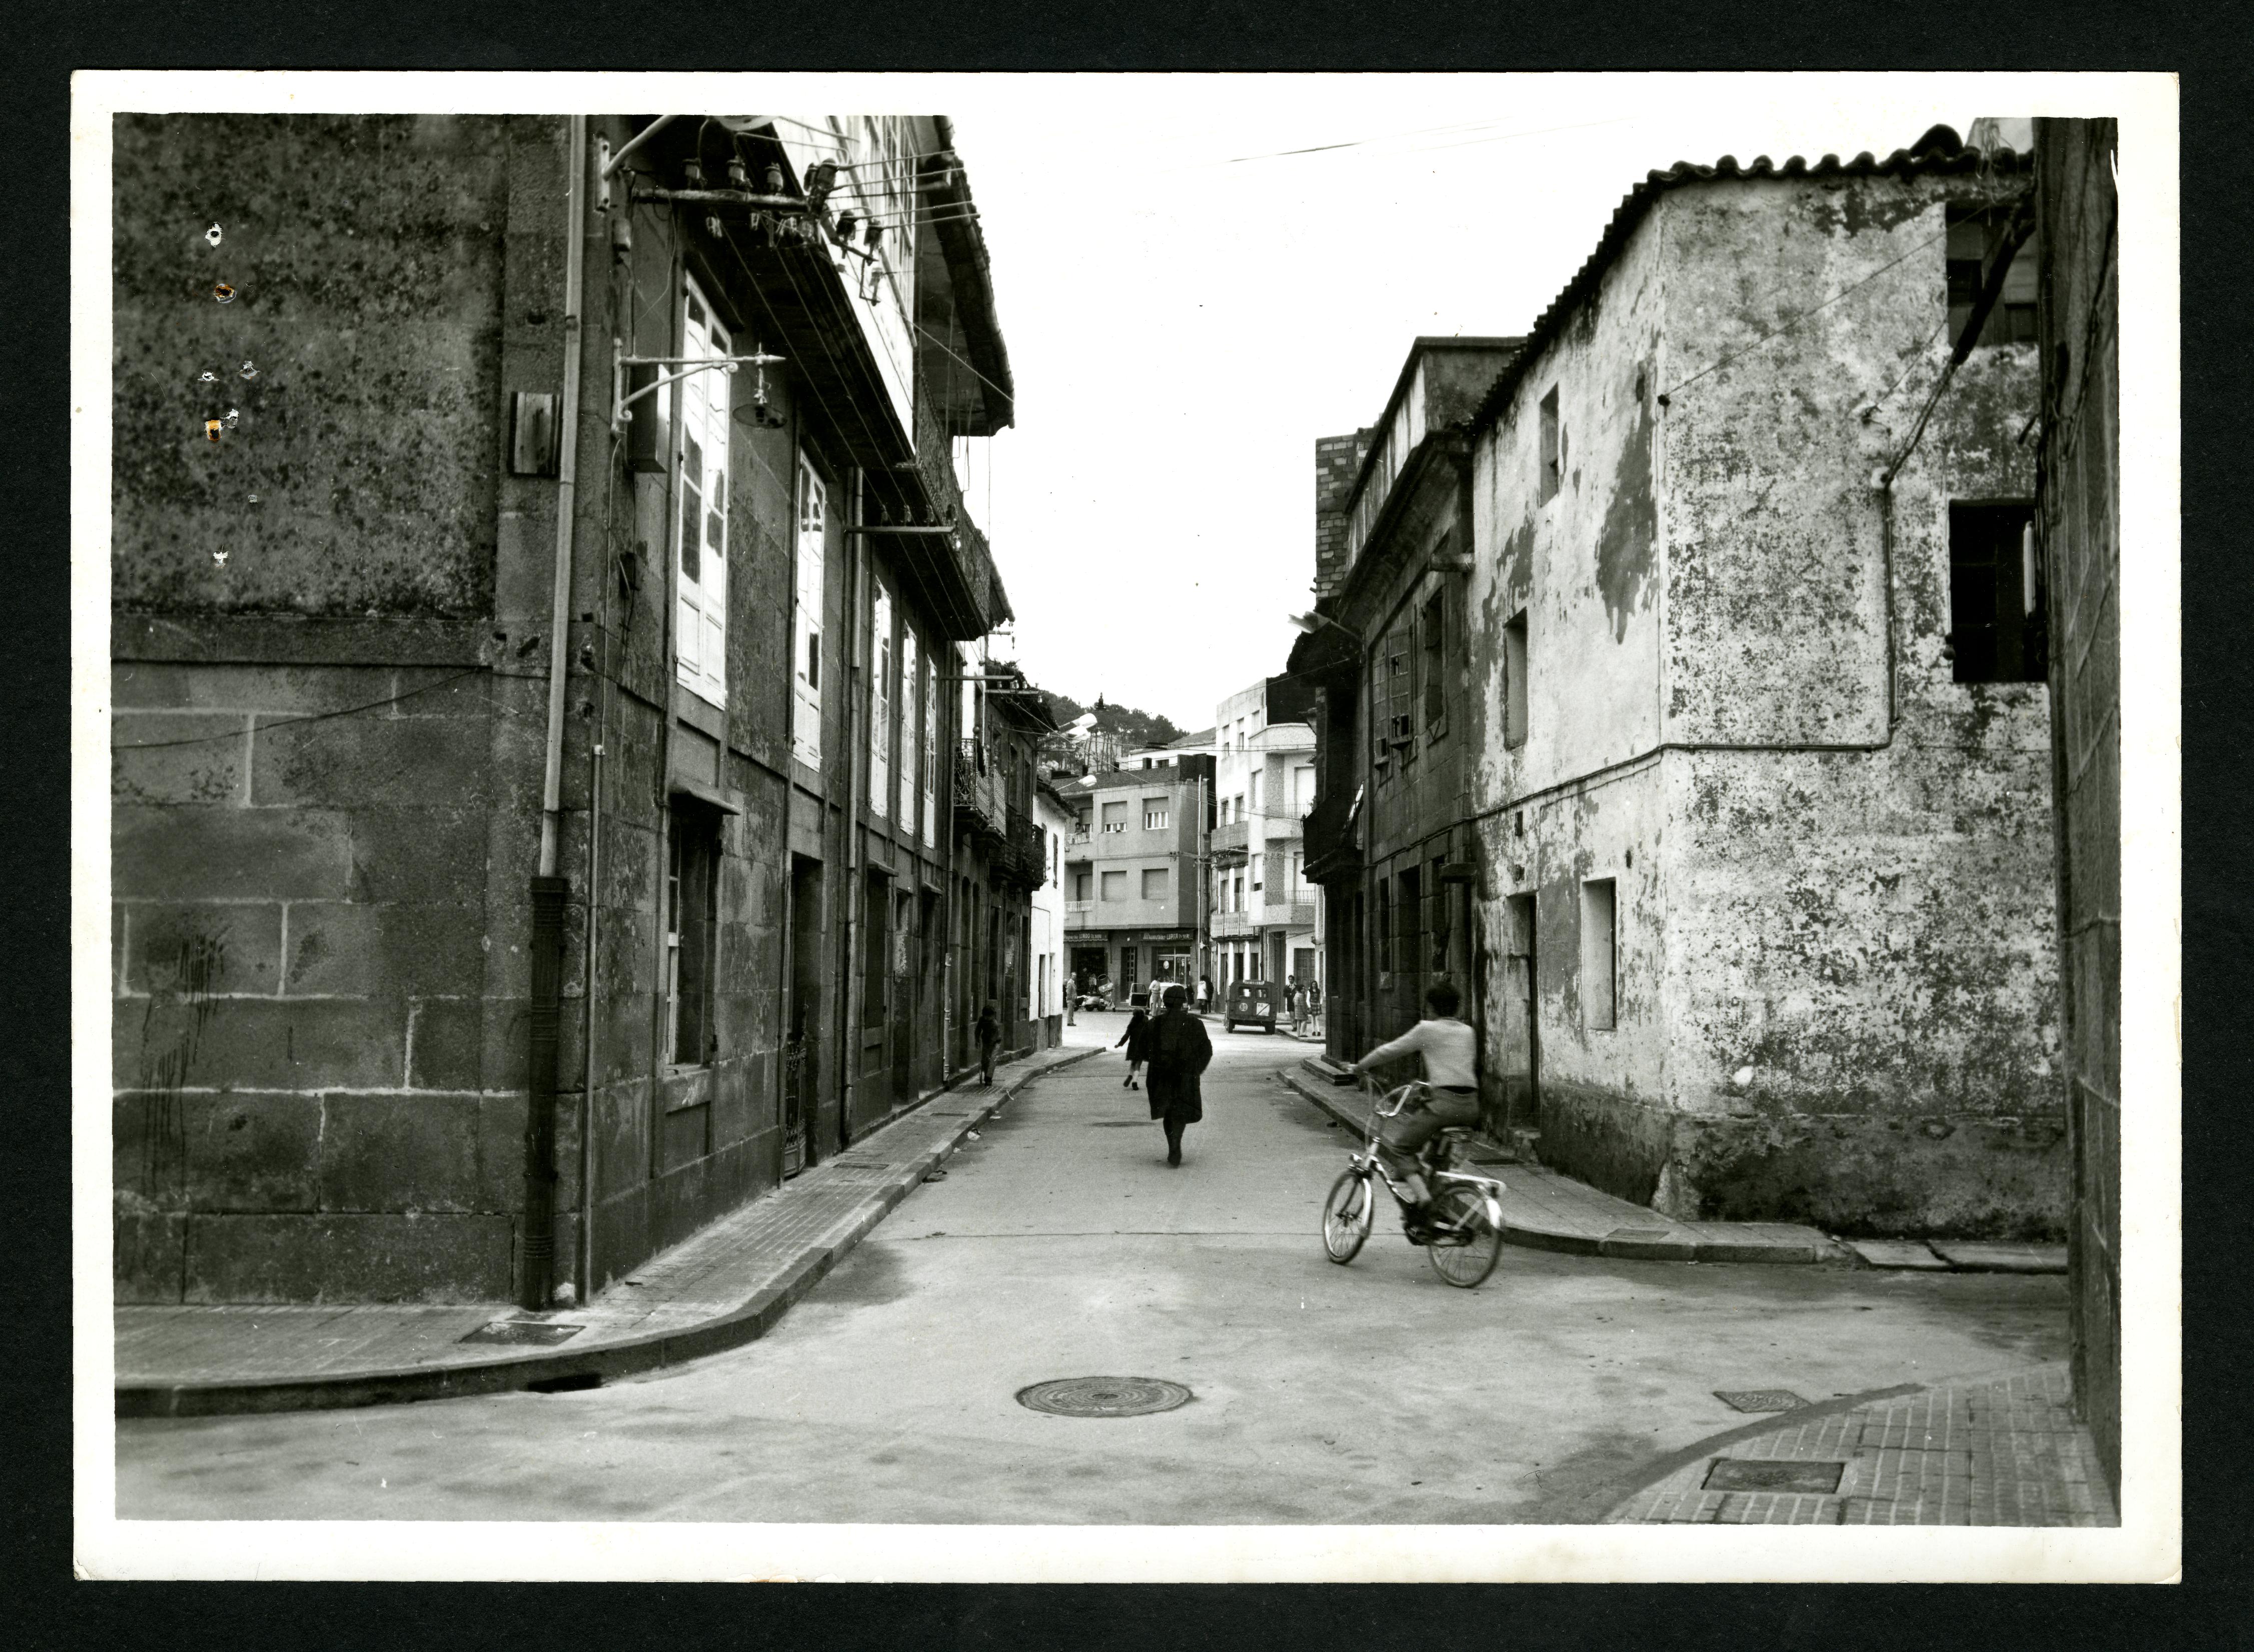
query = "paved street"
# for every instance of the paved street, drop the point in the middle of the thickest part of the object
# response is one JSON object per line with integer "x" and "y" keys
{"x": 1060, "y": 1244}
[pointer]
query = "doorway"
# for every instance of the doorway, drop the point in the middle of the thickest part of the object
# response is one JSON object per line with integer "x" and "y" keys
{"x": 1519, "y": 1043}
{"x": 803, "y": 1011}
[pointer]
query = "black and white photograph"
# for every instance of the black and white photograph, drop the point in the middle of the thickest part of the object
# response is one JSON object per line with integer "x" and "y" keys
{"x": 1238, "y": 828}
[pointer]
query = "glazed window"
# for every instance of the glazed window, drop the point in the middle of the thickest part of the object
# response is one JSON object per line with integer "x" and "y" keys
{"x": 1975, "y": 238}
{"x": 691, "y": 930}
{"x": 1155, "y": 814}
{"x": 881, "y": 730}
{"x": 1997, "y": 627}
{"x": 806, "y": 668}
{"x": 1115, "y": 817}
{"x": 1600, "y": 953}
{"x": 701, "y": 459}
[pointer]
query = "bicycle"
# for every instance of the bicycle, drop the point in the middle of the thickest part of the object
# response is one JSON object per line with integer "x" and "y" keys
{"x": 1461, "y": 1226}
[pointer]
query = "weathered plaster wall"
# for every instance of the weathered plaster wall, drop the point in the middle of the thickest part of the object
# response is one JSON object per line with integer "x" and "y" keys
{"x": 366, "y": 256}
{"x": 1586, "y": 565}
{"x": 1863, "y": 930}
{"x": 1866, "y": 930}
{"x": 1603, "y": 1103}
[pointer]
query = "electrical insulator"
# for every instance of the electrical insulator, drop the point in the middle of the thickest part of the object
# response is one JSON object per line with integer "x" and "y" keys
{"x": 694, "y": 173}
{"x": 775, "y": 178}
{"x": 739, "y": 177}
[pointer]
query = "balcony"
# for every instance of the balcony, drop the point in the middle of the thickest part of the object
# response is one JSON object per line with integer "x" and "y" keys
{"x": 1021, "y": 857}
{"x": 978, "y": 790}
{"x": 1234, "y": 926}
{"x": 1230, "y": 842}
{"x": 1294, "y": 914}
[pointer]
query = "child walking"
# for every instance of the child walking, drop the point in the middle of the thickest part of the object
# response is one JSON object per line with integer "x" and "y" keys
{"x": 1137, "y": 1037}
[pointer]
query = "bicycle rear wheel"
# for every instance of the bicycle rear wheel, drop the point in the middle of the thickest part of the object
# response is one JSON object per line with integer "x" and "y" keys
{"x": 1465, "y": 1245}
{"x": 1347, "y": 1214}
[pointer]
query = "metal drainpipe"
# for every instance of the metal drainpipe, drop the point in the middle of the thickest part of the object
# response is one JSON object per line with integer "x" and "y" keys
{"x": 847, "y": 1046}
{"x": 549, "y": 891}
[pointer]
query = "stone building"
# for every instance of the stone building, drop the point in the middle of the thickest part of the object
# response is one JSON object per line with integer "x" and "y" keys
{"x": 1134, "y": 870}
{"x": 530, "y": 830}
{"x": 1750, "y": 875}
{"x": 1262, "y": 907}
{"x": 1051, "y": 980}
{"x": 1002, "y": 855}
{"x": 2078, "y": 525}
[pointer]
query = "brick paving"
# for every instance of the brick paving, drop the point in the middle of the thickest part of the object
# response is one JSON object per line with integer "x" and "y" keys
{"x": 1996, "y": 1450}
{"x": 171, "y": 1358}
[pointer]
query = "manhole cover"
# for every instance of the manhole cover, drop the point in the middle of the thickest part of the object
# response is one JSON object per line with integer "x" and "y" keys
{"x": 1103, "y": 1397}
{"x": 1760, "y": 1399}
{"x": 540, "y": 1334}
{"x": 1750, "y": 1474}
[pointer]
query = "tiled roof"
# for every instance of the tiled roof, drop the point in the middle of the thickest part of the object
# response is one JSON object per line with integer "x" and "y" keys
{"x": 1938, "y": 151}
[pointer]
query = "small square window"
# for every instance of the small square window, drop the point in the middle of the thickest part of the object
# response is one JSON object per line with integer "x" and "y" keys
{"x": 1154, "y": 883}
{"x": 1114, "y": 885}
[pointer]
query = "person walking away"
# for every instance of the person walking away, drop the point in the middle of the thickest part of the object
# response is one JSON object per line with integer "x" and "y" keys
{"x": 1294, "y": 1006}
{"x": 1205, "y": 993}
{"x": 1137, "y": 1037}
{"x": 1180, "y": 1051}
{"x": 990, "y": 1038}
{"x": 1450, "y": 1049}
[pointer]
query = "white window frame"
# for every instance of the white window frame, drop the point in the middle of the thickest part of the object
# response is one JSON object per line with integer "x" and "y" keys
{"x": 700, "y": 632}
{"x": 930, "y": 693}
{"x": 806, "y": 647}
{"x": 1154, "y": 820}
{"x": 910, "y": 701}
{"x": 880, "y": 701}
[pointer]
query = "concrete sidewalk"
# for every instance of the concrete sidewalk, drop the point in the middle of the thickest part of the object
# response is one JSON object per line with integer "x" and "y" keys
{"x": 1999, "y": 1451}
{"x": 1547, "y": 1210}
{"x": 723, "y": 1286}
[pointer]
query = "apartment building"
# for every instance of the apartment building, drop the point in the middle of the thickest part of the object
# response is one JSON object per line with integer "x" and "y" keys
{"x": 1134, "y": 870}
{"x": 1261, "y": 902}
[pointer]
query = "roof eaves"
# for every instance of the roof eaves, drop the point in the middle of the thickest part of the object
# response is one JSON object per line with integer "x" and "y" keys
{"x": 1930, "y": 155}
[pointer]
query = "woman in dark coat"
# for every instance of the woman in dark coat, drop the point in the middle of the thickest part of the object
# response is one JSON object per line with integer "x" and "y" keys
{"x": 1179, "y": 1051}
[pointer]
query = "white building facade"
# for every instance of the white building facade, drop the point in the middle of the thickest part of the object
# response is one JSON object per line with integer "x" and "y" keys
{"x": 1262, "y": 908}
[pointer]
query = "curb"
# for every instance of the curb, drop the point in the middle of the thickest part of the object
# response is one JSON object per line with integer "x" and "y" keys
{"x": 749, "y": 1321}
{"x": 1626, "y": 1245}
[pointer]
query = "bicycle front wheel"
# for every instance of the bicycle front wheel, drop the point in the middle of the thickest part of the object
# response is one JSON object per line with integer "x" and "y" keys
{"x": 1465, "y": 1245}
{"x": 1347, "y": 1214}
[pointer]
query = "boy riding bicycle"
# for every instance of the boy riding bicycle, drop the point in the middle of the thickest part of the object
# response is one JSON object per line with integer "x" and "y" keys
{"x": 1450, "y": 1048}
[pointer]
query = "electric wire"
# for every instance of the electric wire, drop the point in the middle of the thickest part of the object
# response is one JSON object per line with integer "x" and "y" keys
{"x": 312, "y": 716}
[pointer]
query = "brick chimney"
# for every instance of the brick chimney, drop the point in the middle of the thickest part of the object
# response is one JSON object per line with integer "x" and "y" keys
{"x": 1337, "y": 461}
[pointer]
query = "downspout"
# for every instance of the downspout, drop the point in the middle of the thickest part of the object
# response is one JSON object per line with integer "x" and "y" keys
{"x": 847, "y": 1046}
{"x": 550, "y": 890}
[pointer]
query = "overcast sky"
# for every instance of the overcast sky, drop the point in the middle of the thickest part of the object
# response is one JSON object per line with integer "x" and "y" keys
{"x": 1182, "y": 323}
